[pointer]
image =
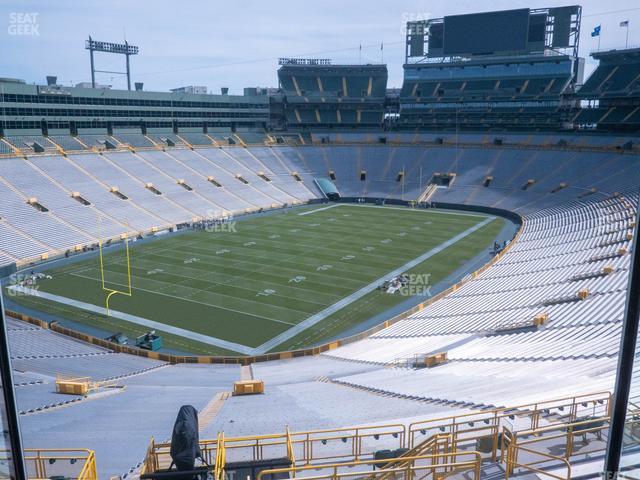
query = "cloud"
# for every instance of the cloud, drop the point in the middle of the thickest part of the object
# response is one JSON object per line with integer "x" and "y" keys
{"x": 236, "y": 44}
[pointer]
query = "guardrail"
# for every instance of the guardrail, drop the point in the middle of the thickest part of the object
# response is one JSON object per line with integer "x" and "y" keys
{"x": 481, "y": 430}
{"x": 422, "y": 467}
{"x": 76, "y": 464}
{"x": 561, "y": 436}
{"x": 302, "y": 448}
{"x": 485, "y": 426}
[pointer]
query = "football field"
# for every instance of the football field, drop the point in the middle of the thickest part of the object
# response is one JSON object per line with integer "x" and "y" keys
{"x": 267, "y": 282}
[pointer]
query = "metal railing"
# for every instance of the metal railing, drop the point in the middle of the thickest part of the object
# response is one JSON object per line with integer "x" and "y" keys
{"x": 563, "y": 436}
{"x": 150, "y": 463}
{"x": 77, "y": 464}
{"x": 218, "y": 470}
{"x": 486, "y": 425}
{"x": 302, "y": 448}
{"x": 534, "y": 466}
{"x": 461, "y": 433}
{"x": 424, "y": 467}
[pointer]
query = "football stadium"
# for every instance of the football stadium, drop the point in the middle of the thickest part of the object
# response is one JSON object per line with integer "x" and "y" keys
{"x": 415, "y": 270}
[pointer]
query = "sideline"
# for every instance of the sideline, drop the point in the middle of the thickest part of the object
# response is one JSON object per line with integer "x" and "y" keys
{"x": 180, "y": 332}
{"x": 309, "y": 212}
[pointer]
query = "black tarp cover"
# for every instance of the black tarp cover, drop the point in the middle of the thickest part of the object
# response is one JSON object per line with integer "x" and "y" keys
{"x": 185, "y": 439}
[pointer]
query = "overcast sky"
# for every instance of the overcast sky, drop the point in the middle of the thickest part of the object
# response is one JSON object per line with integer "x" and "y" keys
{"x": 237, "y": 43}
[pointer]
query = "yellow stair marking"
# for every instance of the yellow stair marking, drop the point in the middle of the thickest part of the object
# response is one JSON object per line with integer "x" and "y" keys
{"x": 211, "y": 410}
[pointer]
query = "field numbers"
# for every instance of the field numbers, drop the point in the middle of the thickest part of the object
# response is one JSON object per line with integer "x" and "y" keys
{"x": 222, "y": 251}
{"x": 401, "y": 234}
{"x": 368, "y": 249}
{"x": 249, "y": 244}
{"x": 294, "y": 230}
{"x": 191, "y": 260}
{"x": 386, "y": 241}
{"x": 297, "y": 279}
{"x": 323, "y": 268}
{"x": 155, "y": 271}
{"x": 348, "y": 257}
{"x": 266, "y": 292}
{"x": 274, "y": 236}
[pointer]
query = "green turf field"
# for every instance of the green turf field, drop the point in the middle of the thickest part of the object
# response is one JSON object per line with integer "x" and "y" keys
{"x": 266, "y": 274}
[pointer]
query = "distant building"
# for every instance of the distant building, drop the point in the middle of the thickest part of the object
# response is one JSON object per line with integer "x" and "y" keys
{"x": 88, "y": 85}
{"x": 254, "y": 91}
{"x": 193, "y": 89}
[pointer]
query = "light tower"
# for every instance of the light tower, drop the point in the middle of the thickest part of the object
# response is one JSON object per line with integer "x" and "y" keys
{"x": 107, "y": 47}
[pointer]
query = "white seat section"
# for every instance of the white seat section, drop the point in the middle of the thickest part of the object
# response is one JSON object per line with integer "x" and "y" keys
{"x": 71, "y": 176}
{"x": 231, "y": 190}
{"x": 46, "y": 229}
{"x": 106, "y": 172}
{"x": 524, "y": 283}
{"x": 573, "y": 232}
{"x": 176, "y": 202}
{"x": 256, "y": 190}
{"x": 33, "y": 183}
{"x": 280, "y": 184}
{"x": 512, "y": 382}
{"x": 214, "y": 163}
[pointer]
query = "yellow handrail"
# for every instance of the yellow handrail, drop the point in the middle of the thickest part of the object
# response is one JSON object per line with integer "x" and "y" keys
{"x": 514, "y": 442}
{"x": 436, "y": 464}
{"x": 488, "y": 419}
{"x": 530, "y": 466}
{"x": 358, "y": 443}
{"x": 290, "y": 452}
{"x": 218, "y": 473}
{"x": 39, "y": 460}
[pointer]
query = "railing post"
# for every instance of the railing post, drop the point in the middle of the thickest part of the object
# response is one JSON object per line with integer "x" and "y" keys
{"x": 569, "y": 446}
{"x": 40, "y": 467}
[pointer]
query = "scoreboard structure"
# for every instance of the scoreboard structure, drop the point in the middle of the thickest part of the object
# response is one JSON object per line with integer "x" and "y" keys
{"x": 521, "y": 31}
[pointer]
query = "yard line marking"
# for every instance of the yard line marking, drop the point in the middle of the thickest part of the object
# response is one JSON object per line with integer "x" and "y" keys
{"x": 309, "y": 212}
{"x": 318, "y": 317}
{"x": 217, "y": 342}
{"x": 157, "y": 292}
{"x": 195, "y": 290}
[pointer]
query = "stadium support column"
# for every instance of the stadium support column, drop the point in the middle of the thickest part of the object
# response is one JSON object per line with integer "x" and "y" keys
{"x": 625, "y": 364}
{"x": 8, "y": 411}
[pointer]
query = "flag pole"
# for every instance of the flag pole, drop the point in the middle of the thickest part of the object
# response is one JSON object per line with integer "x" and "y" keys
{"x": 626, "y": 43}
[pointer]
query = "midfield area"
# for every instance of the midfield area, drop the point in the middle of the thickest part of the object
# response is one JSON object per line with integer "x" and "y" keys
{"x": 268, "y": 282}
